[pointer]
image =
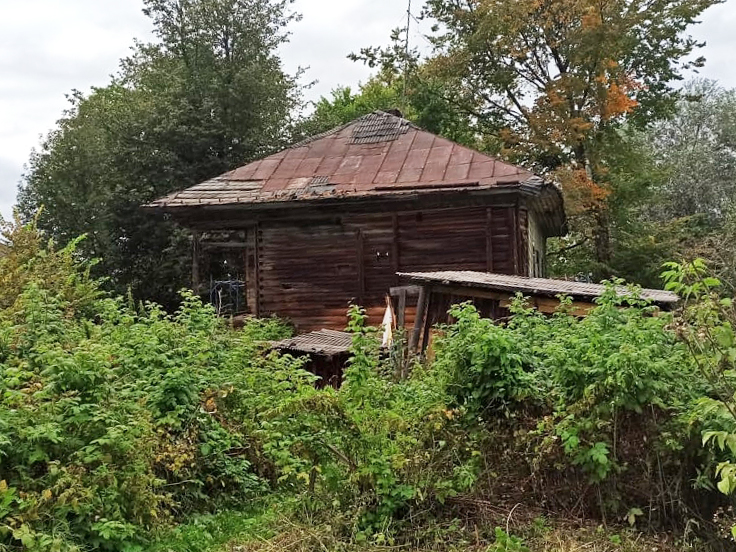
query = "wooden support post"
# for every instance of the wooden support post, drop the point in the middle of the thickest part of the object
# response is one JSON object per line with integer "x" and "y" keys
{"x": 401, "y": 310}
{"x": 515, "y": 231}
{"x": 258, "y": 233}
{"x": 489, "y": 239}
{"x": 403, "y": 293}
{"x": 251, "y": 269}
{"x": 395, "y": 252}
{"x": 419, "y": 320}
{"x": 196, "y": 255}
{"x": 430, "y": 321}
{"x": 361, "y": 267}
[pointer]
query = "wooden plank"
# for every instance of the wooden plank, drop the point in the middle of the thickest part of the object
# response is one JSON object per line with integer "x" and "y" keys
{"x": 432, "y": 302}
{"x": 361, "y": 266}
{"x": 401, "y": 310}
{"x": 257, "y": 239}
{"x": 461, "y": 291}
{"x": 547, "y": 305}
{"x": 489, "y": 239}
{"x": 196, "y": 252}
{"x": 515, "y": 238}
{"x": 395, "y": 249}
{"x": 223, "y": 245}
{"x": 523, "y": 229}
{"x": 251, "y": 268}
{"x": 411, "y": 291}
{"x": 419, "y": 320}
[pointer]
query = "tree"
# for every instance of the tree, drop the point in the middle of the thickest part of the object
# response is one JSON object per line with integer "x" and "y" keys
{"x": 695, "y": 154}
{"x": 208, "y": 96}
{"x": 697, "y": 149}
{"x": 560, "y": 77}
{"x": 674, "y": 187}
{"x": 421, "y": 99}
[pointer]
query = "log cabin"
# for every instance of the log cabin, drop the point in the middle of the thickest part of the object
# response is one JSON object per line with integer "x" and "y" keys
{"x": 334, "y": 219}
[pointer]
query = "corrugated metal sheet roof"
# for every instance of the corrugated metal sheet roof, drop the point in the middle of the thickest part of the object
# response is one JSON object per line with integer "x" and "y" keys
{"x": 531, "y": 286}
{"x": 323, "y": 342}
{"x": 377, "y": 154}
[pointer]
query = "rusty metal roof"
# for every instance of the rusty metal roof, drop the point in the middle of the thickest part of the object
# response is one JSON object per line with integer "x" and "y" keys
{"x": 323, "y": 342}
{"x": 531, "y": 286}
{"x": 378, "y": 154}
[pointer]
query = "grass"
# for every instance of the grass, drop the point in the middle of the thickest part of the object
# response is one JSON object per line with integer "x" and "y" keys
{"x": 276, "y": 529}
{"x": 215, "y": 532}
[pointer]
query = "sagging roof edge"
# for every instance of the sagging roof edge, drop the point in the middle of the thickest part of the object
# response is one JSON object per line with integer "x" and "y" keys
{"x": 546, "y": 200}
{"x": 535, "y": 287}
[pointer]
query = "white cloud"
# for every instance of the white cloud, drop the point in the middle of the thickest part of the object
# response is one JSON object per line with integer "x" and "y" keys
{"x": 717, "y": 31}
{"x": 49, "y": 47}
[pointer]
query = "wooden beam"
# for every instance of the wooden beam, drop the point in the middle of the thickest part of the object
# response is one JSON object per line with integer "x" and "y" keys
{"x": 419, "y": 320}
{"x": 401, "y": 310}
{"x": 411, "y": 291}
{"x": 430, "y": 321}
{"x": 239, "y": 217}
{"x": 515, "y": 237}
{"x": 395, "y": 251}
{"x": 223, "y": 245}
{"x": 251, "y": 269}
{"x": 546, "y": 305}
{"x": 258, "y": 233}
{"x": 489, "y": 239}
{"x": 196, "y": 252}
{"x": 361, "y": 266}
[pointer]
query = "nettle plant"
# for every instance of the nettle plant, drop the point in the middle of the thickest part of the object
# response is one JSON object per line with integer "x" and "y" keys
{"x": 592, "y": 377}
{"x": 706, "y": 325}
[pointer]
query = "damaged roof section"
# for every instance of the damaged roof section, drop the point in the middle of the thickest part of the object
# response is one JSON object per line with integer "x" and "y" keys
{"x": 533, "y": 286}
{"x": 323, "y": 342}
{"x": 376, "y": 155}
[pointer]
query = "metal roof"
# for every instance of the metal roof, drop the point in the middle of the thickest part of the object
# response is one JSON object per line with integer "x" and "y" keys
{"x": 376, "y": 155}
{"x": 531, "y": 286}
{"x": 323, "y": 342}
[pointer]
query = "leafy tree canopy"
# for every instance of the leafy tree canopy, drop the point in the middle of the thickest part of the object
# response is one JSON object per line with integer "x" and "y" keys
{"x": 209, "y": 95}
{"x": 558, "y": 78}
{"x": 421, "y": 98}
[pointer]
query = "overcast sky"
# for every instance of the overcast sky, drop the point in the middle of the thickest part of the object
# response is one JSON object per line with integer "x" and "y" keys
{"x": 49, "y": 47}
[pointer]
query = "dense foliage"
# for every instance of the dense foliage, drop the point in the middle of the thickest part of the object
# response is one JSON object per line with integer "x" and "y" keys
{"x": 114, "y": 416}
{"x": 558, "y": 79}
{"x": 592, "y": 403}
{"x": 118, "y": 421}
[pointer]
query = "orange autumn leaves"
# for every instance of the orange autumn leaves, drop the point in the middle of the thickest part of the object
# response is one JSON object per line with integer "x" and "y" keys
{"x": 557, "y": 123}
{"x": 555, "y": 67}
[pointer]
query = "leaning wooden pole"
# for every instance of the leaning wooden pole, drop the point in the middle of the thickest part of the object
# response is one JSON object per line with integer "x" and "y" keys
{"x": 419, "y": 320}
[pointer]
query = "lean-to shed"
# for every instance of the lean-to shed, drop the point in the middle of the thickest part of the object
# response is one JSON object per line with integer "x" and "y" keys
{"x": 333, "y": 219}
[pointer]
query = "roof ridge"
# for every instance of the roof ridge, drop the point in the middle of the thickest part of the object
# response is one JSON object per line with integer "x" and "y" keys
{"x": 357, "y": 121}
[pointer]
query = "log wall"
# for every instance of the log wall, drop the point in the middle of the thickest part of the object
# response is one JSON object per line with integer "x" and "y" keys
{"x": 309, "y": 273}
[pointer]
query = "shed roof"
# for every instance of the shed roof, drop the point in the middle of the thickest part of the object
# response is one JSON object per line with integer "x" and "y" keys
{"x": 323, "y": 342}
{"x": 532, "y": 286}
{"x": 376, "y": 155}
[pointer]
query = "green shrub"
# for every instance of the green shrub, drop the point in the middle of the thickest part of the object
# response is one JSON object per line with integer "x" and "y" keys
{"x": 118, "y": 421}
{"x": 594, "y": 401}
{"x": 374, "y": 449}
{"x": 114, "y": 418}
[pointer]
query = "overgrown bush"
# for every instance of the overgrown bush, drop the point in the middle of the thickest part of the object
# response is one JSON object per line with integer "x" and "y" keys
{"x": 377, "y": 448}
{"x": 593, "y": 413}
{"x": 115, "y": 417}
{"x": 119, "y": 420}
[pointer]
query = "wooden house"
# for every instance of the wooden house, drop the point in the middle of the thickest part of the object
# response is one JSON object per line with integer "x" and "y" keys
{"x": 334, "y": 219}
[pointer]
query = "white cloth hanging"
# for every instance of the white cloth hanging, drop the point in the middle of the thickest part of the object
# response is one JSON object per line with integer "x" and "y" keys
{"x": 388, "y": 324}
